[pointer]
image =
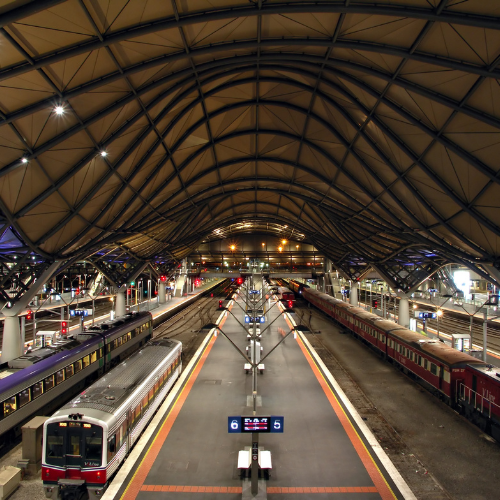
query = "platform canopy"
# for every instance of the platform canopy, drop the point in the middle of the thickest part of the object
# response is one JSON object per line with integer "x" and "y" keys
{"x": 372, "y": 128}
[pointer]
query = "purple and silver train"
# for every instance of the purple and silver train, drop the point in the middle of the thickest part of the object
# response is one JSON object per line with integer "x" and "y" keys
{"x": 50, "y": 376}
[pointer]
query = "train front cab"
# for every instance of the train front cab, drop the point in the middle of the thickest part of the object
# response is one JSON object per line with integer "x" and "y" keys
{"x": 74, "y": 459}
{"x": 477, "y": 396}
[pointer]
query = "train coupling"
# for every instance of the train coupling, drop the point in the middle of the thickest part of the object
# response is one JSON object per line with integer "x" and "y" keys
{"x": 66, "y": 489}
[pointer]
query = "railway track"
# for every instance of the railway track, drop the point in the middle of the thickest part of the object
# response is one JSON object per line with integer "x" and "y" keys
{"x": 186, "y": 324}
{"x": 455, "y": 323}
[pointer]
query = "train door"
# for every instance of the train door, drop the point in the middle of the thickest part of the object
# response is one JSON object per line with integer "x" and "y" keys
{"x": 441, "y": 375}
{"x": 474, "y": 390}
{"x": 74, "y": 446}
{"x": 129, "y": 429}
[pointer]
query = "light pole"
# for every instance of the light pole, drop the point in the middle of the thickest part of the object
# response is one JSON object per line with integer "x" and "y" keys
{"x": 439, "y": 313}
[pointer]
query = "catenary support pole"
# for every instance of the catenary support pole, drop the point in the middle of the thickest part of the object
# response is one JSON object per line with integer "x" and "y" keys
{"x": 11, "y": 342}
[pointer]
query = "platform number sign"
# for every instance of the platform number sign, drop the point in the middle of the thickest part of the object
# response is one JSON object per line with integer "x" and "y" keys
{"x": 250, "y": 424}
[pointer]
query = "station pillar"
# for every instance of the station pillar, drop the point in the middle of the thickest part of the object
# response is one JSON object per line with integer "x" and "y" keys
{"x": 354, "y": 294}
{"x": 11, "y": 344}
{"x": 404, "y": 311}
{"x": 161, "y": 293}
{"x": 120, "y": 309}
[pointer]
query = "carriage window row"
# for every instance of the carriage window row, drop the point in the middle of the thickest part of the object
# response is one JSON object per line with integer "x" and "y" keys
{"x": 419, "y": 360}
{"x": 29, "y": 394}
{"x": 120, "y": 435}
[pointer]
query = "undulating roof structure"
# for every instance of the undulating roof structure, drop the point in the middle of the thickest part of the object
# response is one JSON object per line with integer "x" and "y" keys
{"x": 372, "y": 128}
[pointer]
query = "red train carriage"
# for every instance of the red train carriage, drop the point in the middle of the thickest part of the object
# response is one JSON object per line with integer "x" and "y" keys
{"x": 477, "y": 395}
{"x": 466, "y": 383}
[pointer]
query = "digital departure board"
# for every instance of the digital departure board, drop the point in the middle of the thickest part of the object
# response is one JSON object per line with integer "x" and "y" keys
{"x": 251, "y": 424}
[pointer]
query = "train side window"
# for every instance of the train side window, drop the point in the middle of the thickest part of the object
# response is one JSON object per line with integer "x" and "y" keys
{"x": 93, "y": 357}
{"x": 78, "y": 365}
{"x": 24, "y": 397}
{"x": 49, "y": 382}
{"x": 151, "y": 394}
{"x": 70, "y": 370}
{"x": 123, "y": 432}
{"x": 420, "y": 360}
{"x": 9, "y": 406}
{"x": 138, "y": 412}
{"x": 129, "y": 336}
{"x": 145, "y": 401}
{"x": 86, "y": 361}
{"x": 59, "y": 377}
{"x": 446, "y": 376}
{"x": 157, "y": 385}
{"x": 101, "y": 353}
{"x": 425, "y": 364}
{"x": 433, "y": 369}
{"x": 108, "y": 348}
{"x": 37, "y": 389}
{"x": 111, "y": 447}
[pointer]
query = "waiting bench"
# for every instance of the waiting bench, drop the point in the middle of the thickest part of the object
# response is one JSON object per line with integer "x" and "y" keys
{"x": 245, "y": 460}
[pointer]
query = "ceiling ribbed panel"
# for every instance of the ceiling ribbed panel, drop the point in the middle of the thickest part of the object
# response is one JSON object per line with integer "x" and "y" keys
{"x": 364, "y": 126}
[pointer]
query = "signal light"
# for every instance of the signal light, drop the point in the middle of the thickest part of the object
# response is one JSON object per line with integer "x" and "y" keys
{"x": 220, "y": 304}
{"x": 64, "y": 327}
{"x": 375, "y": 303}
{"x": 239, "y": 281}
{"x": 163, "y": 279}
{"x": 28, "y": 315}
{"x": 290, "y": 304}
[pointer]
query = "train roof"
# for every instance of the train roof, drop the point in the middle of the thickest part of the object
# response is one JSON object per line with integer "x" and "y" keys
{"x": 490, "y": 371}
{"x": 434, "y": 347}
{"x": 450, "y": 356}
{"x": 112, "y": 390}
{"x": 15, "y": 383}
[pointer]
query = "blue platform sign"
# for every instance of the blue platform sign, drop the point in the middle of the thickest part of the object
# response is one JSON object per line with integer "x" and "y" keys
{"x": 78, "y": 312}
{"x": 250, "y": 424}
{"x": 427, "y": 315}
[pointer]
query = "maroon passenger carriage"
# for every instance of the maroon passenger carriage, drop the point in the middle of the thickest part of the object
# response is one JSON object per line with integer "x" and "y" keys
{"x": 469, "y": 385}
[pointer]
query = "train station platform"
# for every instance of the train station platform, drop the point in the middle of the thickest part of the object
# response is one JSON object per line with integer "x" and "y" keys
{"x": 160, "y": 312}
{"x": 325, "y": 451}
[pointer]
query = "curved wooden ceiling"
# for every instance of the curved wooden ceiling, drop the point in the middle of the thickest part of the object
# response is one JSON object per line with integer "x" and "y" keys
{"x": 368, "y": 127}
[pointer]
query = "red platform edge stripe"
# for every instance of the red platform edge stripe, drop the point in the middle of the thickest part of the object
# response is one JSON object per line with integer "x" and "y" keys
{"x": 270, "y": 489}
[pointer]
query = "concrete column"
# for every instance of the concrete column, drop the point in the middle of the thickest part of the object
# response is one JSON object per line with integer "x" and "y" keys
{"x": 404, "y": 311}
{"x": 120, "y": 309}
{"x": 354, "y": 294}
{"x": 11, "y": 344}
{"x": 161, "y": 293}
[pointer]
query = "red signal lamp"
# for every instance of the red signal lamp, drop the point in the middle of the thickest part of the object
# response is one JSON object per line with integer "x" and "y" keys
{"x": 64, "y": 327}
{"x": 163, "y": 279}
{"x": 290, "y": 304}
{"x": 29, "y": 314}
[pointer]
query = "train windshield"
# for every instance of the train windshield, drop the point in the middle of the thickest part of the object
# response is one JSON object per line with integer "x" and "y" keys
{"x": 74, "y": 444}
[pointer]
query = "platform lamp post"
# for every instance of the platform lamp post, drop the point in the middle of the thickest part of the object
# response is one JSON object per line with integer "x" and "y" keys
{"x": 439, "y": 313}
